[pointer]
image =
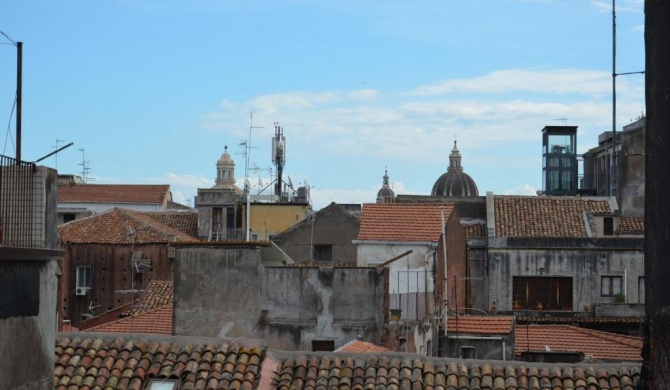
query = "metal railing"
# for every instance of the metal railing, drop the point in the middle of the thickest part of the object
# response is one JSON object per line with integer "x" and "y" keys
{"x": 21, "y": 204}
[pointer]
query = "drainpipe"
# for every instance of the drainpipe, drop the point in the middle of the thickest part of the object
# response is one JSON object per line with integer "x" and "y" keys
{"x": 445, "y": 278}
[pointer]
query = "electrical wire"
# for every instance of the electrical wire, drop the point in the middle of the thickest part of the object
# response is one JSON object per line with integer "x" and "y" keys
{"x": 9, "y": 125}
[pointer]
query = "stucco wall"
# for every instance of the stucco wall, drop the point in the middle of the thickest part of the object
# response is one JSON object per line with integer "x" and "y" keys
{"x": 224, "y": 291}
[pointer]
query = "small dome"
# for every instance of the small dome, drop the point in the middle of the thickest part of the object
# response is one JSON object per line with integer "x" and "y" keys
{"x": 225, "y": 157}
{"x": 385, "y": 194}
{"x": 455, "y": 182}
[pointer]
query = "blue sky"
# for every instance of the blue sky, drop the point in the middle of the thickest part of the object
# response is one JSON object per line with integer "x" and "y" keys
{"x": 153, "y": 90}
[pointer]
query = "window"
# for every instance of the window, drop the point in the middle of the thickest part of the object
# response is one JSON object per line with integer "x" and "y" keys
{"x": 162, "y": 384}
{"x": 323, "y": 252}
{"x": 610, "y": 286}
{"x": 69, "y": 217}
{"x": 542, "y": 292}
{"x": 467, "y": 352}
{"x": 323, "y": 345}
{"x": 83, "y": 276}
{"x": 608, "y": 226}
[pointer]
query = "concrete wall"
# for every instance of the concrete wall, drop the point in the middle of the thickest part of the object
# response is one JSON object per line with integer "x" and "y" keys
{"x": 224, "y": 291}
{"x": 27, "y": 317}
{"x": 584, "y": 266}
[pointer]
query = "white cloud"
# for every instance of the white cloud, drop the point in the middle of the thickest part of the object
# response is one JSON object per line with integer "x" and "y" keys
{"x": 525, "y": 189}
{"x": 585, "y": 82}
{"x": 621, "y": 6}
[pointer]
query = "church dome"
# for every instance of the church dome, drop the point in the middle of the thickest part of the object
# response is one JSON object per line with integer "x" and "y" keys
{"x": 385, "y": 194}
{"x": 455, "y": 182}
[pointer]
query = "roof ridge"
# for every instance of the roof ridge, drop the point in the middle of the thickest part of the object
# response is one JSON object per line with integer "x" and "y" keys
{"x": 152, "y": 223}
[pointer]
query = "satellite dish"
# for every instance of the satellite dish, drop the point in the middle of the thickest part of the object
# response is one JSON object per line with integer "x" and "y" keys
{"x": 290, "y": 183}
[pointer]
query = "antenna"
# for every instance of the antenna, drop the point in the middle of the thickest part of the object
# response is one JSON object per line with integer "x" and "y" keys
{"x": 279, "y": 156}
{"x": 565, "y": 120}
{"x": 85, "y": 170}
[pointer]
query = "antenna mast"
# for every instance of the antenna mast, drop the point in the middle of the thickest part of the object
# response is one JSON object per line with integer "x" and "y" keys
{"x": 279, "y": 156}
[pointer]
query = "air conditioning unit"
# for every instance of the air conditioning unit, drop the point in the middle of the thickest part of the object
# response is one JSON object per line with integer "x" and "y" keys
{"x": 80, "y": 291}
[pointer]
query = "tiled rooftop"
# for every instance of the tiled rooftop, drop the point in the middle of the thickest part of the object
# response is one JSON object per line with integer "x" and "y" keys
{"x": 155, "y": 321}
{"x": 474, "y": 230}
{"x": 403, "y": 221}
{"x": 544, "y": 216}
{"x": 358, "y": 346}
{"x": 114, "y": 193}
{"x": 480, "y": 324}
{"x": 111, "y": 227}
{"x": 94, "y": 361}
{"x": 565, "y": 338}
{"x": 631, "y": 225}
{"x": 152, "y": 313}
{"x": 184, "y": 221}
{"x": 375, "y": 371}
{"x": 158, "y": 293}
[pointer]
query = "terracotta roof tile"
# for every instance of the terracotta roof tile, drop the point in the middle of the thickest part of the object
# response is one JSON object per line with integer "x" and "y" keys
{"x": 474, "y": 230}
{"x": 155, "y": 321}
{"x": 631, "y": 225}
{"x": 356, "y": 346}
{"x": 184, "y": 221}
{"x": 114, "y": 193}
{"x": 403, "y": 221}
{"x": 111, "y": 227}
{"x": 566, "y": 338}
{"x": 127, "y": 363}
{"x": 544, "y": 216}
{"x": 158, "y": 293}
{"x": 480, "y": 324}
{"x": 397, "y": 371}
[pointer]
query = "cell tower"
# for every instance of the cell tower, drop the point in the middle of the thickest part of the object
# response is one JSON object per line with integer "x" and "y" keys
{"x": 279, "y": 156}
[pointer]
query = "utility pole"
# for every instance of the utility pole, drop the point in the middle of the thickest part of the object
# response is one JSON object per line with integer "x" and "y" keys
{"x": 19, "y": 97}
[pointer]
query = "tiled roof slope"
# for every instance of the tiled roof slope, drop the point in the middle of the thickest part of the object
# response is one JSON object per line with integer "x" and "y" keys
{"x": 155, "y": 321}
{"x": 358, "y": 346}
{"x": 474, "y": 230}
{"x": 372, "y": 371}
{"x": 403, "y": 221}
{"x": 113, "y": 193}
{"x": 112, "y": 227}
{"x": 480, "y": 324}
{"x": 544, "y": 216}
{"x": 566, "y": 338}
{"x": 98, "y": 361}
{"x": 631, "y": 225}
{"x": 184, "y": 221}
{"x": 157, "y": 294}
{"x": 94, "y": 361}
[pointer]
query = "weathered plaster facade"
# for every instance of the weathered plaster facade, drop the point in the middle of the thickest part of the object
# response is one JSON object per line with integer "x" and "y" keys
{"x": 584, "y": 261}
{"x": 224, "y": 291}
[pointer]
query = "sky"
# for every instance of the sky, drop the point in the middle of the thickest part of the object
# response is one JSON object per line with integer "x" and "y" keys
{"x": 151, "y": 91}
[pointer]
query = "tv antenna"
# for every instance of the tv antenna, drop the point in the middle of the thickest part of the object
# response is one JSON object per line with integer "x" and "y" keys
{"x": 565, "y": 120}
{"x": 85, "y": 169}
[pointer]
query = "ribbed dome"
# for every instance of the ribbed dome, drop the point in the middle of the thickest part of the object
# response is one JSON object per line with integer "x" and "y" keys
{"x": 455, "y": 182}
